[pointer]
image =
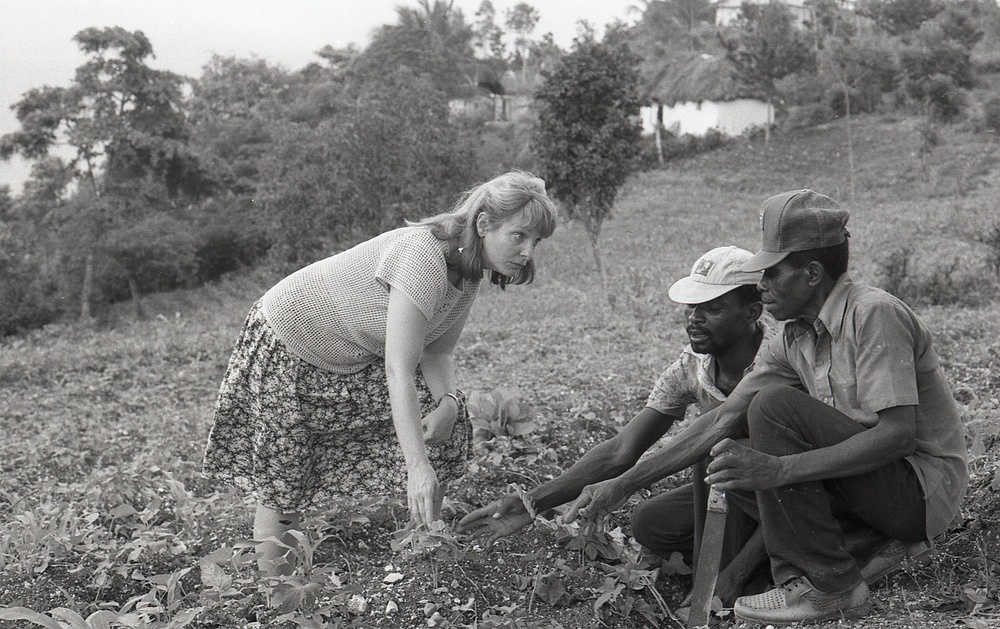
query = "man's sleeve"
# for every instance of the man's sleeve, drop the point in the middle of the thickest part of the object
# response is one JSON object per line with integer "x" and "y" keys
{"x": 885, "y": 357}
{"x": 676, "y": 387}
{"x": 771, "y": 366}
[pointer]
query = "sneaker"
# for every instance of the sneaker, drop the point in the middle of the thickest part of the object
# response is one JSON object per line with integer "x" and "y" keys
{"x": 798, "y": 601}
{"x": 893, "y": 557}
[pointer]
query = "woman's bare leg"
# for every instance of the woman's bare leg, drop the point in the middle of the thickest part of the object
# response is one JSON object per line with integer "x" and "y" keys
{"x": 272, "y": 558}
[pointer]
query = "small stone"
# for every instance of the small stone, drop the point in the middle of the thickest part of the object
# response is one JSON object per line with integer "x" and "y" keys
{"x": 391, "y": 608}
{"x": 357, "y": 605}
{"x": 393, "y": 577}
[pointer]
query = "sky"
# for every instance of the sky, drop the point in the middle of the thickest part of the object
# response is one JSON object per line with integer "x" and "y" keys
{"x": 36, "y": 46}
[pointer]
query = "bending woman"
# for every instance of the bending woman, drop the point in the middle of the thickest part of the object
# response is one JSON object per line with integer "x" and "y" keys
{"x": 343, "y": 379}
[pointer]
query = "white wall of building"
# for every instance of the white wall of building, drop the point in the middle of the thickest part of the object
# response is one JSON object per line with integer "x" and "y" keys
{"x": 730, "y": 118}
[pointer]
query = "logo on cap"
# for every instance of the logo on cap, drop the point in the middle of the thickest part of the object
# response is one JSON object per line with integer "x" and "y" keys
{"x": 704, "y": 267}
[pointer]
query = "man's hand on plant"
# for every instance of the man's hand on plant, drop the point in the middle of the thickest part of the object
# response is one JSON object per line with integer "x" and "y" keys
{"x": 596, "y": 503}
{"x": 500, "y": 518}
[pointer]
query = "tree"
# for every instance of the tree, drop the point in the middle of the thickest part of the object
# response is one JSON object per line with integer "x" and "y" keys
{"x": 765, "y": 46}
{"x": 935, "y": 66}
{"x": 588, "y": 131}
{"x": 125, "y": 123}
{"x": 432, "y": 40}
{"x": 521, "y": 20}
{"x": 389, "y": 153}
{"x": 487, "y": 40}
{"x": 232, "y": 112}
{"x": 900, "y": 17}
{"x": 863, "y": 67}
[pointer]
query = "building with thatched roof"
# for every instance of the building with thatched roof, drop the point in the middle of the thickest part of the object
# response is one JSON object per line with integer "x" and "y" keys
{"x": 694, "y": 93}
{"x": 728, "y": 11}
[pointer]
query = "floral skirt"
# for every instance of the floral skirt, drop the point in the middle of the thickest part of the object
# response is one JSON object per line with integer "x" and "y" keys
{"x": 296, "y": 436}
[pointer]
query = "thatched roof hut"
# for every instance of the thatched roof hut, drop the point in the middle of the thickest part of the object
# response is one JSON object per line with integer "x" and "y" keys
{"x": 696, "y": 77}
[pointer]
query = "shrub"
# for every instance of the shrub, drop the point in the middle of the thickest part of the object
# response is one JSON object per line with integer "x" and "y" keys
{"x": 952, "y": 283}
{"x": 809, "y": 115}
{"x": 802, "y": 88}
{"x": 941, "y": 98}
{"x": 687, "y": 145}
{"x": 28, "y": 295}
{"x": 229, "y": 238}
{"x": 29, "y": 300}
{"x": 991, "y": 115}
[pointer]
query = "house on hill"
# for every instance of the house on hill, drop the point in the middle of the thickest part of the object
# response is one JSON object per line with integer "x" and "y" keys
{"x": 726, "y": 11}
{"x": 694, "y": 93}
{"x": 500, "y": 99}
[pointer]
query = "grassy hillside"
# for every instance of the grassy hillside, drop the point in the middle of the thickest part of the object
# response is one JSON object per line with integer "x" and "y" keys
{"x": 103, "y": 507}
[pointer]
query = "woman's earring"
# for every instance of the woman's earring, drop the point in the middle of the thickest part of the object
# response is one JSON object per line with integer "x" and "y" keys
{"x": 461, "y": 249}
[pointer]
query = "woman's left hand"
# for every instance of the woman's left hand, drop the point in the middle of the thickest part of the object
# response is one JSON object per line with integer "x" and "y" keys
{"x": 439, "y": 423}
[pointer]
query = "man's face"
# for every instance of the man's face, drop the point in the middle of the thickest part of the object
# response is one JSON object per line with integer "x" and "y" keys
{"x": 785, "y": 290}
{"x": 715, "y": 326}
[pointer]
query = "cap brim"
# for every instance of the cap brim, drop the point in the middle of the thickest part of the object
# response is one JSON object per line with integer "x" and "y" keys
{"x": 688, "y": 291}
{"x": 763, "y": 260}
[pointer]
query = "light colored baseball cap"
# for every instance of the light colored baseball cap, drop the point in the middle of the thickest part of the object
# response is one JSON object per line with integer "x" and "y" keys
{"x": 714, "y": 274}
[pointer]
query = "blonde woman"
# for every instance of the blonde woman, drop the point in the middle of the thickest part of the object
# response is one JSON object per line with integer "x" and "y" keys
{"x": 343, "y": 380}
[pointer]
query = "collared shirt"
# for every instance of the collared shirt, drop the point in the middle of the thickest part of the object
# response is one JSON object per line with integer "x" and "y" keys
{"x": 867, "y": 352}
{"x": 691, "y": 380}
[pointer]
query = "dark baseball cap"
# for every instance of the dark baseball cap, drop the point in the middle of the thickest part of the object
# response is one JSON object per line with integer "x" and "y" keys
{"x": 798, "y": 220}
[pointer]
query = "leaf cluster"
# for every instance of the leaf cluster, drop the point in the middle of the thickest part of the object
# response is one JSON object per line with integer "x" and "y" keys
{"x": 588, "y": 131}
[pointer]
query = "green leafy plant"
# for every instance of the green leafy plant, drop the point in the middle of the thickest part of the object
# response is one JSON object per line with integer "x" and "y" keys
{"x": 499, "y": 412}
{"x": 433, "y": 543}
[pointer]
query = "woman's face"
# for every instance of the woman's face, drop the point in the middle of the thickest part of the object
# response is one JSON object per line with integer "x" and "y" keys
{"x": 509, "y": 245}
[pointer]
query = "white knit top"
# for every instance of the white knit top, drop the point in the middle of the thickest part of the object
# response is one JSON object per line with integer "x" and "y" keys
{"x": 332, "y": 313}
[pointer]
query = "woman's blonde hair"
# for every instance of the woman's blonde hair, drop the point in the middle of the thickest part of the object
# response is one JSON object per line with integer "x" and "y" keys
{"x": 500, "y": 199}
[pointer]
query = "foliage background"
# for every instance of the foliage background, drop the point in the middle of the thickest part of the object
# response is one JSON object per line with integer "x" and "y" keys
{"x": 105, "y": 426}
{"x": 106, "y": 519}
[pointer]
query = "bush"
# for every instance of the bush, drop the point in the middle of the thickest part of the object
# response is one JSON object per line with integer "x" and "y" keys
{"x": 809, "y": 115}
{"x": 28, "y": 296}
{"x": 991, "y": 115}
{"x": 954, "y": 283}
{"x": 802, "y": 88}
{"x": 687, "y": 145}
{"x": 932, "y": 54}
{"x": 229, "y": 238}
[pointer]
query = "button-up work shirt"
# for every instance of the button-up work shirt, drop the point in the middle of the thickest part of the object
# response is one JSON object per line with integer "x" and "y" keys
{"x": 691, "y": 380}
{"x": 867, "y": 352}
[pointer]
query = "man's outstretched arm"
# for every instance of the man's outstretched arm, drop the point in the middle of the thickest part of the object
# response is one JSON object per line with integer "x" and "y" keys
{"x": 689, "y": 446}
{"x": 605, "y": 460}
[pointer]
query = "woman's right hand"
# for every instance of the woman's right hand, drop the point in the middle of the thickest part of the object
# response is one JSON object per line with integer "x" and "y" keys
{"x": 423, "y": 494}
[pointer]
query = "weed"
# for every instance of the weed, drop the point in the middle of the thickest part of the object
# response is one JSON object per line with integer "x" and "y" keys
{"x": 991, "y": 238}
{"x": 944, "y": 283}
{"x": 433, "y": 543}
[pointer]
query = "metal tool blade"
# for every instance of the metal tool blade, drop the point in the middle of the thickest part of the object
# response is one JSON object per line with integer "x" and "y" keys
{"x": 709, "y": 556}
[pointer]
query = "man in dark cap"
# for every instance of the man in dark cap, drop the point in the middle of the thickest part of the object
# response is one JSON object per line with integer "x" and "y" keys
{"x": 853, "y": 428}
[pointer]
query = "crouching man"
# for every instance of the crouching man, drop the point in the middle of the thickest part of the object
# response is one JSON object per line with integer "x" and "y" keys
{"x": 853, "y": 427}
